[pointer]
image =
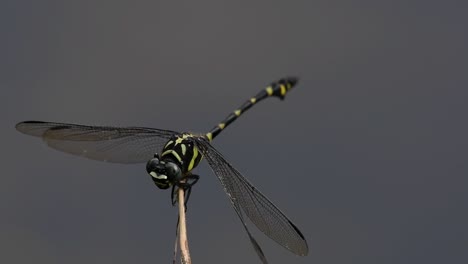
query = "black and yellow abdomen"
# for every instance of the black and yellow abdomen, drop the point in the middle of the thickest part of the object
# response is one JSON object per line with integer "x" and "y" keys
{"x": 276, "y": 89}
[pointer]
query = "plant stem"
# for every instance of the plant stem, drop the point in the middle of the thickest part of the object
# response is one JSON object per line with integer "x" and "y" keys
{"x": 184, "y": 248}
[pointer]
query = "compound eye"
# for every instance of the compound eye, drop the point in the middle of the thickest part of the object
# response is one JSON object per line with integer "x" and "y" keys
{"x": 152, "y": 164}
{"x": 173, "y": 171}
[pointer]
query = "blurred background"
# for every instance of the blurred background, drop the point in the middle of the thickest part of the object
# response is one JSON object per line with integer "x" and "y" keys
{"x": 367, "y": 155}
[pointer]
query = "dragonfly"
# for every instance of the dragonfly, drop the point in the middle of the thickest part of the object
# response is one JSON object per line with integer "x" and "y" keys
{"x": 171, "y": 157}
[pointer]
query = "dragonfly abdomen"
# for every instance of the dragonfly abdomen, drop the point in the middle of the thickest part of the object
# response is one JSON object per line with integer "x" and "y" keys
{"x": 277, "y": 89}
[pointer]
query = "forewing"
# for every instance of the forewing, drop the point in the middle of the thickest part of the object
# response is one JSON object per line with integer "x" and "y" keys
{"x": 103, "y": 143}
{"x": 243, "y": 195}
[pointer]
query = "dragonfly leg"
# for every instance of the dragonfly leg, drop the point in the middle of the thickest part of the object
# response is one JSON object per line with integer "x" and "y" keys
{"x": 173, "y": 195}
{"x": 194, "y": 179}
{"x": 189, "y": 181}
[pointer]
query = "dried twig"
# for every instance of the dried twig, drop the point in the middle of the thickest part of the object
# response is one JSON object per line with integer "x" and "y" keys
{"x": 174, "y": 256}
{"x": 184, "y": 249}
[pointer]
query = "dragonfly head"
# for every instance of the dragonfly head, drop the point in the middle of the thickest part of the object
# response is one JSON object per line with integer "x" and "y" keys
{"x": 163, "y": 172}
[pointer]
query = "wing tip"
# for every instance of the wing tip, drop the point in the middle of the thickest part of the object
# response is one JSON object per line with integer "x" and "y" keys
{"x": 305, "y": 249}
{"x": 27, "y": 127}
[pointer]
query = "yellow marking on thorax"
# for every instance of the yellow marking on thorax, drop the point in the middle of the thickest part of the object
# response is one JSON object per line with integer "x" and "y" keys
{"x": 194, "y": 157}
{"x": 180, "y": 139}
{"x": 168, "y": 143}
{"x": 269, "y": 90}
{"x": 184, "y": 149}
{"x": 237, "y": 112}
{"x": 173, "y": 152}
{"x": 283, "y": 89}
{"x": 221, "y": 125}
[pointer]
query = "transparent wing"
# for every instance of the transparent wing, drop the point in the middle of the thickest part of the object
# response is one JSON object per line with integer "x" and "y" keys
{"x": 263, "y": 213}
{"x": 103, "y": 143}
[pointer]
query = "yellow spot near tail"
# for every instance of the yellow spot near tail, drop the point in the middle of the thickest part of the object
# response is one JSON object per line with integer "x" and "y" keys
{"x": 253, "y": 100}
{"x": 237, "y": 112}
{"x": 209, "y": 136}
{"x": 269, "y": 90}
{"x": 283, "y": 89}
{"x": 221, "y": 125}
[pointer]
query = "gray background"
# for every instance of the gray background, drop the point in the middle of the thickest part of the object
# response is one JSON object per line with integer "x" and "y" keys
{"x": 368, "y": 156}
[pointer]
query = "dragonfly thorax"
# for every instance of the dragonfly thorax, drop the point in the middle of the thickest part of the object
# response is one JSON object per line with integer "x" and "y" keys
{"x": 182, "y": 149}
{"x": 179, "y": 156}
